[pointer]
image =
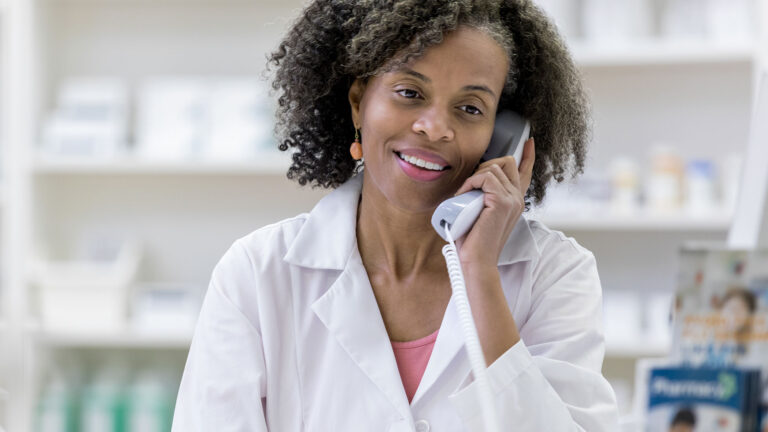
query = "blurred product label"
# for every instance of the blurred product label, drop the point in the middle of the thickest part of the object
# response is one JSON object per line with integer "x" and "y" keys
{"x": 168, "y": 308}
{"x": 90, "y": 118}
{"x": 172, "y": 118}
{"x": 210, "y": 118}
{"x": 616, "y": 21}
{"x": 716, "y": 20}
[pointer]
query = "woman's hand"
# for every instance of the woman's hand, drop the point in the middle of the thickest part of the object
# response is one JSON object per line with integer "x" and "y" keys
{"x": 504, "y": 186}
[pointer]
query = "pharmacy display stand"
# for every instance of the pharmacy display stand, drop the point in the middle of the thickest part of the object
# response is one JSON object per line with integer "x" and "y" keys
{"x": 720, "y": 318}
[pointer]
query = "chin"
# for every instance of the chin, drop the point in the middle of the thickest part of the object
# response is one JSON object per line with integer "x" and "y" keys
{"x": 418, "y": 203}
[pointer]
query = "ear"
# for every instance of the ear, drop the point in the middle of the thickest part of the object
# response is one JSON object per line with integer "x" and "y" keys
{"x": 356, "y": 91}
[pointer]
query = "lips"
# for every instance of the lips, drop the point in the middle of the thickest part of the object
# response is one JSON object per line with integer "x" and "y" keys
{"x": 420, "y": 165}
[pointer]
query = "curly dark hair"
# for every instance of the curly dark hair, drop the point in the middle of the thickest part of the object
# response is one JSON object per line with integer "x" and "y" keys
{"x": 335, "y": 42}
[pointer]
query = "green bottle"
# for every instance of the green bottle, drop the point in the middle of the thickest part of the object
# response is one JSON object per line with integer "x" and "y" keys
{"x": 150, "y": 404}
{"x": 103, "y": 406}
{"x": 57, "y": 408}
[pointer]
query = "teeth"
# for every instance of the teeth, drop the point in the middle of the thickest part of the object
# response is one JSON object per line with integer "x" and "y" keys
{"x": 421, "y": 162}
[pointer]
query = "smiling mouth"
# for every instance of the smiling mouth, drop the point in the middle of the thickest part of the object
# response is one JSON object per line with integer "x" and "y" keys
{"x": 421, "y": 163}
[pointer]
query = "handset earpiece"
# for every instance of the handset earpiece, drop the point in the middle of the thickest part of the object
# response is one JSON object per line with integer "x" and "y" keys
{"x": 510, "y": 131}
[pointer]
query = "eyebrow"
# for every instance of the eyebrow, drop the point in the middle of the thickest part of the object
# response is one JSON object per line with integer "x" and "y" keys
{"x": 426, "y": 79}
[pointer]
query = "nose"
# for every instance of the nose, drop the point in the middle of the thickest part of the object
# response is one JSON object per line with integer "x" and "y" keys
{"x": 435, "y": 124}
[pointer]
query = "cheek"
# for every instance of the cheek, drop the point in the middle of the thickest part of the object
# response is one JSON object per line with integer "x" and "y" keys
{"x": 373, "y": 125}
{"x": 380, "y": 120}
{"x": 474, "y": 148}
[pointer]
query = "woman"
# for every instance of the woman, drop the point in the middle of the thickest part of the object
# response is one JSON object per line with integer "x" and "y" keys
{"x": 342, "y": 319}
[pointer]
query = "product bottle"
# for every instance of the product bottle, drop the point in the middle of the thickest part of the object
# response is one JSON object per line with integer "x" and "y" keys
{"x": 150, "y": 404}
{"x": 57, "y": 408}
{"x": 103, "y": 405}
{"x": 664, "y": 184}
{"x": 700, "y": 182}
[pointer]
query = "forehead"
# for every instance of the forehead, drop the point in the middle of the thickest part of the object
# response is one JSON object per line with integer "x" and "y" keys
{"x": 464, "y": 54}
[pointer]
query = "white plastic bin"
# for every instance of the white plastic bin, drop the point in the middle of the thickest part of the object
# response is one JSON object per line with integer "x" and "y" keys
{"x": 86, "y": 295}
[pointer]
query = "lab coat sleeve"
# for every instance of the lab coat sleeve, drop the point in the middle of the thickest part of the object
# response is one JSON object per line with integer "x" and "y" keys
{"x": 224, "y": 387}
{"x": 551, "y": 379}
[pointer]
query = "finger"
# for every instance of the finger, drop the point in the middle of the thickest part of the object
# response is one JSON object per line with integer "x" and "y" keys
{"x": 486, "y": 181}
{"x": 508, "y": 168}
{"x": 496, "y": 171}
{"x": 507, "y": 163}
{"x": 526, "y": 165}
{"x": 504, "y": 177}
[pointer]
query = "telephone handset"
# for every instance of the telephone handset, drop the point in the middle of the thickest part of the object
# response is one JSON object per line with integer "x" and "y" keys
{"x": 510, "y": 132}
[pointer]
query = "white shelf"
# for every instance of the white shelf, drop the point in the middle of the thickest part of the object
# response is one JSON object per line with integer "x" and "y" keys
{"x": 659, "y": 52}
{"x": 112, "y": 339}
{"x": 637, "y": 349}
{"x": 642, "y": 221}
{"x": 267, "y": 163}
{"x": 179, "y": 3}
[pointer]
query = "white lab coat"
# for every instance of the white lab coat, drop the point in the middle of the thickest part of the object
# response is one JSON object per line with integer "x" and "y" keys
{"x": 290, "y": 338}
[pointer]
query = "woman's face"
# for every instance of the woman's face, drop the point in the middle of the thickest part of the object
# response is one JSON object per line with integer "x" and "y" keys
{"x": 736, "y": 313}
{"x": 437, "y": 110}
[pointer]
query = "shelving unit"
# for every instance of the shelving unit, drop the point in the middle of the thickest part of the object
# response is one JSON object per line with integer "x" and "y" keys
{"x": 4, "y": 297}
{"x": 124, "y": 339}
{"x": 662, "y": 53}
{"x": 266, "y": 163}
{"x": 641, "y": 221}
{"x": 638, "y": 349}
{"x": 188, "y": 212}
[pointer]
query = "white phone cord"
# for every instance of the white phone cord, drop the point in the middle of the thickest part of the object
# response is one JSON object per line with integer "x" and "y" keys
{"x": 471, "y": 339}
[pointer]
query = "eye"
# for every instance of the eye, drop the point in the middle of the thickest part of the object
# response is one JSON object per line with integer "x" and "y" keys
{"x": 470, "y": 109}
{"x": 408, "y": 93}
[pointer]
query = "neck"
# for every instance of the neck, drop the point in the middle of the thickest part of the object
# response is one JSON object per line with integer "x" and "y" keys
{"x": 393, "y": 240}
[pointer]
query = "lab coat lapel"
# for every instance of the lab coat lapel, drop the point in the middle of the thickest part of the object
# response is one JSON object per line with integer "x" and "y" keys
{"x": 448, "y": 344}
{"x": 350, "y": 312}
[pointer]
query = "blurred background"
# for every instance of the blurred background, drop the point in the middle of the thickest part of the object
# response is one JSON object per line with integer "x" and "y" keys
{"x": 136, "y": 146}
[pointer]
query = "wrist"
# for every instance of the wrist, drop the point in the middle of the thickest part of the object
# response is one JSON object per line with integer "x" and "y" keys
{"x": 479, "y": 267}
{"x": 481, "y": 274}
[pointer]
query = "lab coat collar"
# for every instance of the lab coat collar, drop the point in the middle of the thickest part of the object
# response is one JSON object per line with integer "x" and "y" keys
{"x": 328, "y": 235}
{"x": 326, "y": 239}
{"x": 350, "y": 312}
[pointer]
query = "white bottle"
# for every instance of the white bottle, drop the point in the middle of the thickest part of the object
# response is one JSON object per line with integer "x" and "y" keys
{"x": 664, "y": 184}
{"x": 700, "y": 187}
{"x": 607, "y": 22}
{"x": 625, "y": 182}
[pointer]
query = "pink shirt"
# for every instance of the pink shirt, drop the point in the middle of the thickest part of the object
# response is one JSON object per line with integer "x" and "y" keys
{"x": 412, "y": 358}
